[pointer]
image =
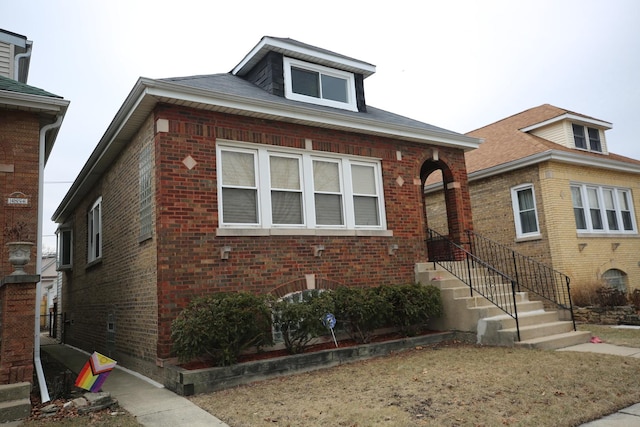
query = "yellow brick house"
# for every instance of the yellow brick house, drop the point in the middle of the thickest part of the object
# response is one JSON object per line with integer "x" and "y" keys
{"x": 544, "y": 183}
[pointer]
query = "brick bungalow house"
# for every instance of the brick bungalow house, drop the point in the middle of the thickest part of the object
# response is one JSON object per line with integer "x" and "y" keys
{"x": 29, "y": 122}
{"x": 544, "y": 183}
{"x": 274, "y": 177}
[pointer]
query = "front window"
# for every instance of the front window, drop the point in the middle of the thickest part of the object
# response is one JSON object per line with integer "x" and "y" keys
{"x": 524, "y": 211}
{"x": 273, "y": 187}
{"x": 607, "y": 209}
{"x": 319, "y": 85}
{"x": 94, "y": 228}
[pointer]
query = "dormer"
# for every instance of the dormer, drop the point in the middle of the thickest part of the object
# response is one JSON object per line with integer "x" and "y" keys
{"x": 301, "y": 72}
{"x": 574, "y": 131}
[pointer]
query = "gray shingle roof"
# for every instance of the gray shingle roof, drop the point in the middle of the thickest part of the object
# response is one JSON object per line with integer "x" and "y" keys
{"x": 236, "y": 86}
{"x": 11, "y": 85}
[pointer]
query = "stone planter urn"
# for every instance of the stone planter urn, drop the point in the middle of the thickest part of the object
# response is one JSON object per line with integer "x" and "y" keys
{"x": 19, "y": 256}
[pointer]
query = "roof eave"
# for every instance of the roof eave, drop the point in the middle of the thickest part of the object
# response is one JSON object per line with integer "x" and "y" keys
{"x": 148, "y": 92}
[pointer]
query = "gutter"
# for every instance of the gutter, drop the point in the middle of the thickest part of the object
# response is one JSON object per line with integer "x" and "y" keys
{"x": 44, "y": 392}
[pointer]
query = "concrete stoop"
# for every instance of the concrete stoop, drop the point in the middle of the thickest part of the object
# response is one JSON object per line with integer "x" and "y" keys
{"x": 539, "y": 328}
{"x": 15, "y": 403}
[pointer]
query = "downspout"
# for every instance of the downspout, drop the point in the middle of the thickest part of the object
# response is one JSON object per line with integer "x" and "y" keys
{"x": 44, "y": 392}
{"x": 17, "y": 59}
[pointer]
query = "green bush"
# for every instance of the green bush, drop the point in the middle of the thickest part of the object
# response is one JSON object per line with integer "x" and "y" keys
{"x": 300, "y": 321}
{"x": 222, "y": 326}
{"x": 359, "y": 311}
{"x": 412, "y": 306}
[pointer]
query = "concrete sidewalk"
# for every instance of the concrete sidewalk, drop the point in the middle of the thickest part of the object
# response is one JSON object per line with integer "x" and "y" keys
{"x": 147, "y": 400}
{"x": 626, "y": 417}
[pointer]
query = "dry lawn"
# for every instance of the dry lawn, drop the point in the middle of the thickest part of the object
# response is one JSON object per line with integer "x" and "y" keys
{"x": 449, "y": 384}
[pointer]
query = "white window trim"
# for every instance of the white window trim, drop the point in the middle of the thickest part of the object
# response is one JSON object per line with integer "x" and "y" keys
{"x": 600, "y": 191}
{"x": 92, "y": 232}
{"x": 587, "y": 140}
{"x": 60, "y": 232}
{"x": 349, "y": 77}
{"x": 264, "y": 225}
{"x": 516, "y": 211}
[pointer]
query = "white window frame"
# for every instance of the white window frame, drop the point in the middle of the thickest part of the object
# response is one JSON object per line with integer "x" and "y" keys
{"x": 64, "y": 236}
{"x": 262, "y": 155}
{"x": 94, "y": 231}
{"x": 517, "y": 210}
{"x": 145, "y": 191}
{"x": 600, "y": 191}
{"x": 321, "y": 70}
{"x": 587, "y": 138}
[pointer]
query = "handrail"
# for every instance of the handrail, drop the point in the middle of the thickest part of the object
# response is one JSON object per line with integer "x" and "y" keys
{"x": 529, "y": 274}
{"x": 495, "y": 286}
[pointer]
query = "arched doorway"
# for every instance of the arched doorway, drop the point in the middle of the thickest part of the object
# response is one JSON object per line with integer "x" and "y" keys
{"x": 446, "y": 201}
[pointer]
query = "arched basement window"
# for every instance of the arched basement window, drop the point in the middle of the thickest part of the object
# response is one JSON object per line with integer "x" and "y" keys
{"x": 616, "y": 279}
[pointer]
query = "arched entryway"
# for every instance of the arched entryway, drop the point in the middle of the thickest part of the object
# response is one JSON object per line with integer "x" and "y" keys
{"x": 445, "y": 197}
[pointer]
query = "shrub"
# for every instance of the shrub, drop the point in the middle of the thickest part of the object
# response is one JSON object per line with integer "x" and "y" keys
{"x": 412, "y": 306}
{"x": 222, "y": 326}
{"x": 585, "y": 294}
{"x": 609, "y": 297}
{"x": 634, "y": 299}
{"x": 360, "y": 311}
{"x": 300, "y": 321}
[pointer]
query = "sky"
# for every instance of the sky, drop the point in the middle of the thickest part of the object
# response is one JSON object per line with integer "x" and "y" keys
{"x": 456, "y": 64}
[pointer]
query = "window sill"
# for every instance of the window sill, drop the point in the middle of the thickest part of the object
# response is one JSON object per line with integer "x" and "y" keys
{"x": 93, "y": 263}
{"x": 528, "y": 238}
{"x": 220, "y": 232}
{"x": 608, "y": 235}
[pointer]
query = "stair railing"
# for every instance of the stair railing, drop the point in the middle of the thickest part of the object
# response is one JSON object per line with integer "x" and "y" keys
{"x": 529, "y": 274}
{"x": 487, "y": 281}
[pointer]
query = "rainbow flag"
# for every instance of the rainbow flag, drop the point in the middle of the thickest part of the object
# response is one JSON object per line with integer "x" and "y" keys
{"x": 95, "y": 372}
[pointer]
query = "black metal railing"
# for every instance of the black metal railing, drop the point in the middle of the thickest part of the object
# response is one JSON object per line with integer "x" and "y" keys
{"x": 481, "y": 277}
{"x": 530, "y": 274}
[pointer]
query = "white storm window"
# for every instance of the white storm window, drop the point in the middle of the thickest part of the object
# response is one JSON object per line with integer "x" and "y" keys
{"x": 286, "y": 190}
{"x": 524, "y": 211}
{"x": 65, "y": 247}
{"x": 609, "y": 209}
{"x": 328, "y": 193}
{"x": 239, "y": 187}
{"x": 94, "y": 228}
{"x": 279, "y": 188}
{"x": 319, "y": 85}
{"x": 365, "y": 195}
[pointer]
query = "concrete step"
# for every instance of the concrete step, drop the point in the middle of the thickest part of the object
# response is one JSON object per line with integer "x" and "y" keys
{"x": 556, "y": 341}
{"x": 536, "y": 331}
{"x": 13, "y": 410}
{"x": 15, "y": 391}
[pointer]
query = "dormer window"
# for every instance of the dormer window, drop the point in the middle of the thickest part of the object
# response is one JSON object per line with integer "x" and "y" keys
{"x": 319, "y": 85}
{"x": 592, "y": 143}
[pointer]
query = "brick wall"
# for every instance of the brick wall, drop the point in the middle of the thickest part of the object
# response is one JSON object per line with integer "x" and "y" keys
{"x": 122, "y": 283}
{"x": 19, "y": 147}
{"x": 17, "y": 314}
{"x": 188, "y": 262}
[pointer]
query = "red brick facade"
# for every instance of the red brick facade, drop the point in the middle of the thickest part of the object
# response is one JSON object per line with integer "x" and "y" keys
{"x": 19, "y": 148}
{"x": 146, "y": 284}
{"x": 17, "y": 313}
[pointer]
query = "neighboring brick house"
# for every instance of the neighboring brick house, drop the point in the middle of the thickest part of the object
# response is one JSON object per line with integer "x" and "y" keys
{"x": 29, "y": 121}
{"x": 274, "y": 177}
{"x": 544, "y": 183}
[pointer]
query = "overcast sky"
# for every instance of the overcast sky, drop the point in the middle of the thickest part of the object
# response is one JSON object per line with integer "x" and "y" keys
{"x": 455, "y": 64}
